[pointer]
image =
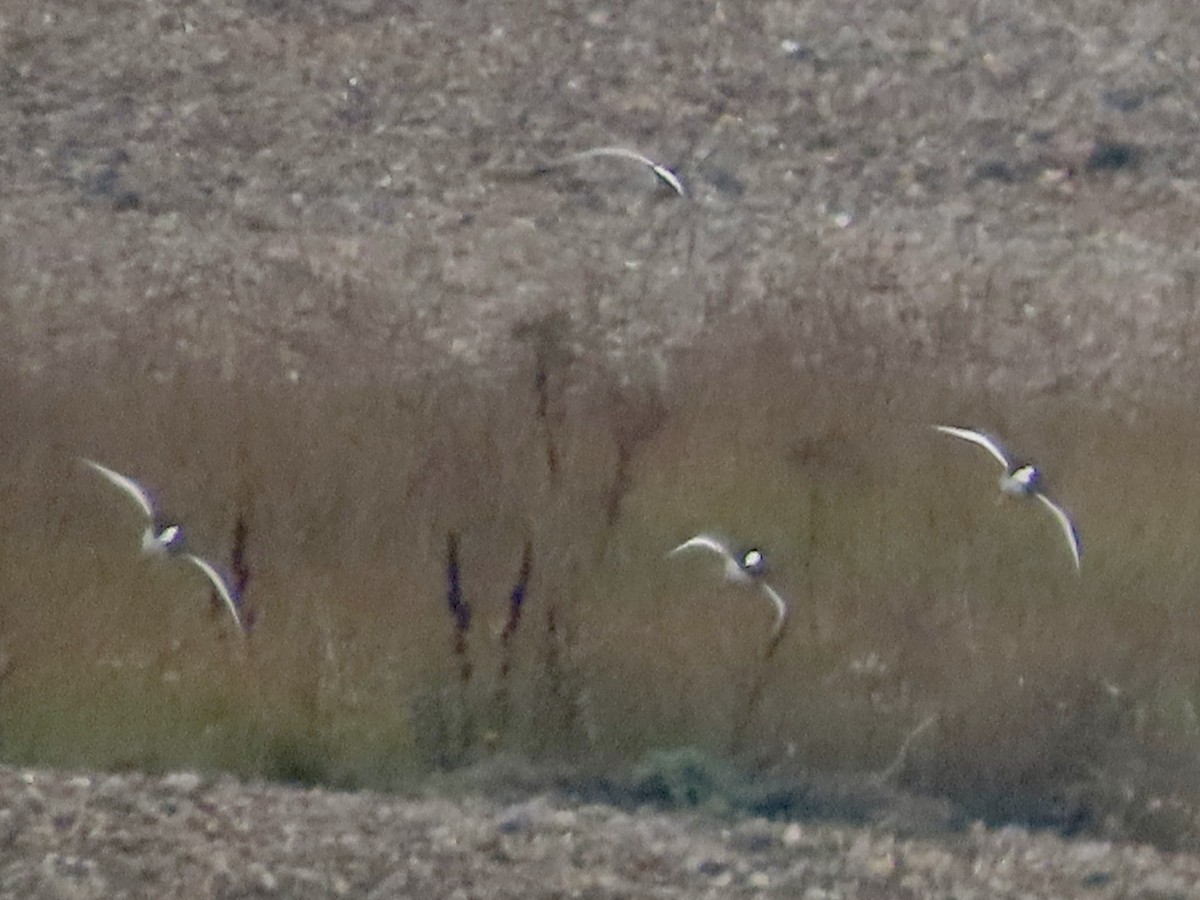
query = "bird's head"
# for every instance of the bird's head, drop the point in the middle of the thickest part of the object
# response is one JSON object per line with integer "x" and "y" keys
{"x": 1027, "y": 478}
{"x": 170, "y": 539}
{"x": 752, "y": 562}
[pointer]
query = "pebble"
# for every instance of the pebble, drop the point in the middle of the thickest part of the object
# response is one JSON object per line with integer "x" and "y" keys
{"x": 514, "y": 820}
{"x": 793, "y": 836}
{"x": 182, "y": 782}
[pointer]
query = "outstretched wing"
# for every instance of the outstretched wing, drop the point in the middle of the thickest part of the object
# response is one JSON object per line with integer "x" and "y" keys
{"x": 126, "y": 484}
{"x": 704, "y": 542}
{"x": 1068, "y": 527}
{"x": 781, "y": 616}
{"x": 219, "y": 586}
{"x": 665, "y": 175}
{"x": 978, "y": 437}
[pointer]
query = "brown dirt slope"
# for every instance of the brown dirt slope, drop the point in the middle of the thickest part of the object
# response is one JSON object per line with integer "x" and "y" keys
{"x": 1003, "y": 199}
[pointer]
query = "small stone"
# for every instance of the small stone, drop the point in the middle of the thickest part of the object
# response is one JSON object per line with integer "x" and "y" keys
{"x": 182, "y": 782}
{"x": 711, "y": 867}
{"x": 752, "y": 837}
{"x": 1096, "y": 880}
{"x": 1108, "y": 155}
{"x": 514, "y": 820}
{"x": 882, "y": 866}
{"x": 265, "y": 877}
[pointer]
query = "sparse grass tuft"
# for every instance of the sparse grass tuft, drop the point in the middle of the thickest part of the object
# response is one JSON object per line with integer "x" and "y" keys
{"x": 682, "y": 777}
{"x": 293, "y": 757}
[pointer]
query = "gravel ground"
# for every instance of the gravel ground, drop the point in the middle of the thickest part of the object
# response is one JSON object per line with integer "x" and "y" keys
{"x": 1003, "y": 199}
{"x": 183, "y": 835}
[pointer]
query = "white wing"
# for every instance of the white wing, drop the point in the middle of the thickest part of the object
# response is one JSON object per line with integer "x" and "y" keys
{"x": 218, "y": 584}
{"x": 703, "y": 542}
{"x": 976, "y": 437}
{"x": 665, "y": 175}
{"x": 781, "y": 615}
{"x": 128, "y": 485}
{"x": 1068, "y": 527}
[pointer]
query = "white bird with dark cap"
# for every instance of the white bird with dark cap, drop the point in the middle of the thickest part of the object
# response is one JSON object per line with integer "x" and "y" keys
{"x": 166, "y": 539}
{"x": 744, "y": 567}
{"x": 1021, "y": 480}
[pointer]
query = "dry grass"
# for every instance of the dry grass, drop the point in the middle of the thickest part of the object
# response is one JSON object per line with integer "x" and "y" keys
{"x": 914, "y": 594}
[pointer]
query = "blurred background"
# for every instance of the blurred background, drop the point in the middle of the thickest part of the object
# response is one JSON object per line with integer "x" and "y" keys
{"x": 271, "y": 259}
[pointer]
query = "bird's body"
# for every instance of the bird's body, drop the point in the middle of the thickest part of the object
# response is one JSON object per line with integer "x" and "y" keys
{"x": 1021, "y": 480}
{"x": 744, "y": 567}
{"x": 161, "y": 539}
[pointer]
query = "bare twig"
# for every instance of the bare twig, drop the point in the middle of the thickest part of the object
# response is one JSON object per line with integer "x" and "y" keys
{"x": 502, "y": 705}
{"x": 460, "y": 610}
{"x": 239, "y": 570}
{"x": 515, "y": 601}
{"x": 890, "y": 772}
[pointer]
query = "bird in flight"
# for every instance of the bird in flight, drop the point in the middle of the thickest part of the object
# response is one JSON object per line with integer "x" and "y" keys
{"x": 163, "y": 539}
{"x": 745, "y": 567}
{"x": 664, "y": 174}
{"x": 1022, "y": 480}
